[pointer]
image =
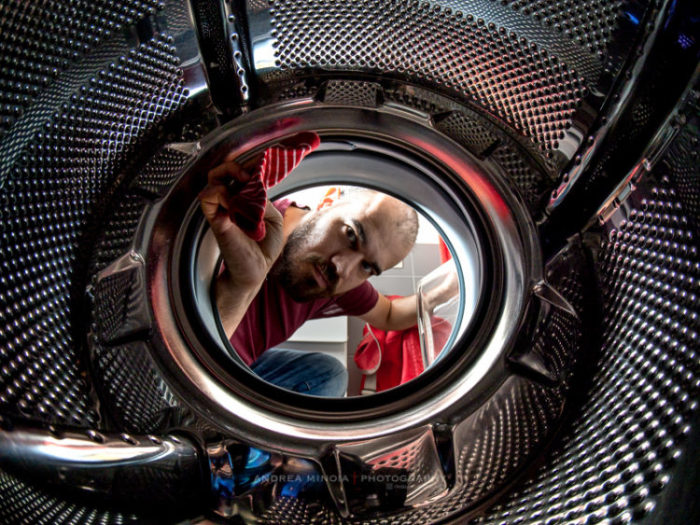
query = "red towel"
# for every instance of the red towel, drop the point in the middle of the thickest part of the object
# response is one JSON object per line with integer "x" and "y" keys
{"x": 247, "y": 207}
{"x": 395, "y": 355}
{"x": 445, "y": 254}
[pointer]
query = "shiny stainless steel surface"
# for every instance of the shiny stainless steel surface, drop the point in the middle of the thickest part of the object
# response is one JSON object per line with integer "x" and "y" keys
{"x": 595, "y": 141}
{"x": 119, "y": 289}
{"x": 262, "y": 39}
{"x": 474, "y": 203}
{"x": 652, "y": 154}
{"x": 252, "y": 132}
{"x": 108, "y": 465}
{"x": 549, "y": 294}
{"x": 178, "y": 20}
{"x": 406, "y": 459}
{"x": 469, "y": 54}
{"x": 543, "y": 92}
{"x": 233, "y": 35}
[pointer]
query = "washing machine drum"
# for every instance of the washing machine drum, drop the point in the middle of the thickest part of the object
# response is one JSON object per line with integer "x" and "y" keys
{"x": 551, "y": 148}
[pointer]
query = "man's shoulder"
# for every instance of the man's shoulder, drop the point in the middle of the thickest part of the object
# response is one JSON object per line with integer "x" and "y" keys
{"x": 283, "y": 204}
{"x": 363, "y": 289}
{"x": 357, "y": 301}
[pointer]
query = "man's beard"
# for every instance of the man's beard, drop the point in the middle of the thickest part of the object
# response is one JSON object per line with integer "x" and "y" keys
{"x": 289, "y": 269}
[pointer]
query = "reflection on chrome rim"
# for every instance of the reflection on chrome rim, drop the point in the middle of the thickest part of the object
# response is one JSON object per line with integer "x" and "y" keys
{"x": 513, "y": 236}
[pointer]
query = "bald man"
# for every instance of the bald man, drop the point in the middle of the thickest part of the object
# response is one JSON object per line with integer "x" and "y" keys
{"x": 310, "y": 264}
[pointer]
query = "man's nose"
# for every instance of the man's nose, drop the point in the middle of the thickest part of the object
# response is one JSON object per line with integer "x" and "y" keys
{"x": 346, "y": 262}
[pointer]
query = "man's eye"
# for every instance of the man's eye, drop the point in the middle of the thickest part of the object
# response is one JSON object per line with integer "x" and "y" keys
{"x": 367, "y": 267}
{"x": 352, "y": 236}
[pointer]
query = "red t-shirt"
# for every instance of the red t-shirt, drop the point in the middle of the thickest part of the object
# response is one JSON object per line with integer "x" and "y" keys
{"x": 274, "y": 316}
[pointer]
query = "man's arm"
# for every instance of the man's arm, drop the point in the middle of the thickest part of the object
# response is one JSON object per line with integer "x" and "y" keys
{"x": 246, "y": 262}
{"x": 396, "y": 314}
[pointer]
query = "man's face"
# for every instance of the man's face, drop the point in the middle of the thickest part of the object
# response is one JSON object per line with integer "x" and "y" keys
{"x": 336, "y": 249}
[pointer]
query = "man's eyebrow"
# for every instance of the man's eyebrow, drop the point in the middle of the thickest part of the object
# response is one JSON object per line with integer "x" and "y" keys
{"x": 363, "y": 241}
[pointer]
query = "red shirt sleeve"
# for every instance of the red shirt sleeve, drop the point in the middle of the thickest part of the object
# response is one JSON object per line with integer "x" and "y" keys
{"x": 357, "y": 301}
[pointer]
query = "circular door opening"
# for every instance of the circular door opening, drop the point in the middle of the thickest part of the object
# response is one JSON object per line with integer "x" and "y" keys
{"x": 444, "y": 273}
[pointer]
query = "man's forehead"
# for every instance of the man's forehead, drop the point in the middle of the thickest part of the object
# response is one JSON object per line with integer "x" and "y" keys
{"x": 366, "y": 206}
{"x": 372, "y": 213}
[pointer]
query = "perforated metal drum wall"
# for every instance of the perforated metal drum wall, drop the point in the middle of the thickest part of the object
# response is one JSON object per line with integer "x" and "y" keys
{"x": 132, "y": 390}
{"x": 683, "y": 166}
{"x": 24, "y": 503}
{"x": 42, "y": 40}
{"x": 83, "y": 85}
{"x": 60, "y": 172}
{"x": 622, "y": 449}
{"x": 91, "y": 92}
{"x": 532, "y": 64}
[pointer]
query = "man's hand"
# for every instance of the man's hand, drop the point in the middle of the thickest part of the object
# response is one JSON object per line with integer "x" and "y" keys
{"x": 247, "y": 261}
{"x": 447, "y": 288}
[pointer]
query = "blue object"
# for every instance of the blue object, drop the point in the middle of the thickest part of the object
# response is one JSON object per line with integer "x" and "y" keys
{"x": 633, "y": 18}
{"x": 256, "y": 458}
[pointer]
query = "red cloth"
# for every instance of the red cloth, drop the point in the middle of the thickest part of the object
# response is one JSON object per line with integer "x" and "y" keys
{"x": 247, "y": 207}
{"x": 445, "y": 254}
{"x": 273, "y": 315}
{"x": 396, "y": 354}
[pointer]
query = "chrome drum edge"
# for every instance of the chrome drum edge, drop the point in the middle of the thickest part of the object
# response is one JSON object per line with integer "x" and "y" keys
{"x": 513, "y": 235}
{"x": 500, "y": 351}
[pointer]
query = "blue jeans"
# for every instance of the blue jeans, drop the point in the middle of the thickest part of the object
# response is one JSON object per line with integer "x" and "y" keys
{"x": 309, "y": 373}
